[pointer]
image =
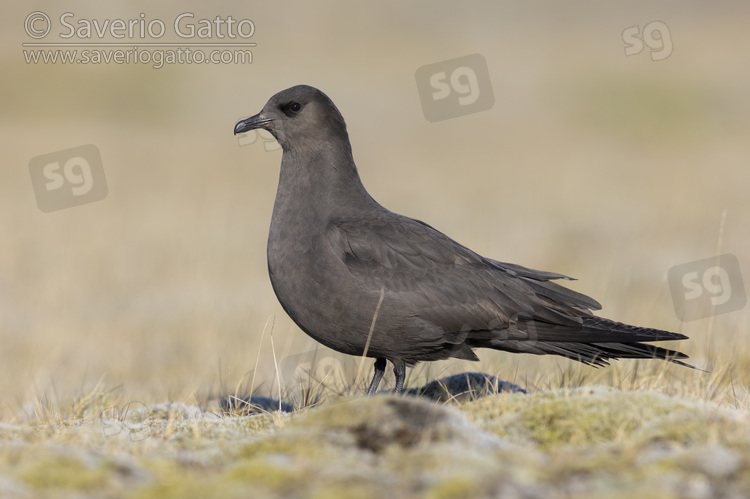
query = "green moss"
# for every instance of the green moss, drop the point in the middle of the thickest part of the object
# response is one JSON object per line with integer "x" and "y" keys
{"x": 62, "y": 471}
{"x": 290, "y": 443}
{"x": 607, "y": 460}
{"x": 259, "y": 422}
{"x": 596, "y": 442}
{"x": 347, "y": 490}
{"x": 282, "y": 475}
{"x": 454, "y": 487}
{"x": 171, "y": 480}
{"x": 690, "y": 426}
{"x": 580, "y": 417}
{"x": 185, "y": 486}
{"x": 276, "y": 477}
{"x": 378, "y": 422}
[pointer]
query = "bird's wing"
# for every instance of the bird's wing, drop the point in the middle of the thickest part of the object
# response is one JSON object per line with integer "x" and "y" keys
{"x": 448, "y": 284}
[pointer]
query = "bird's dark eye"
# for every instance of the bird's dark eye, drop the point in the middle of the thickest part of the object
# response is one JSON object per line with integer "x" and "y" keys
{"x": 295, "y": 107}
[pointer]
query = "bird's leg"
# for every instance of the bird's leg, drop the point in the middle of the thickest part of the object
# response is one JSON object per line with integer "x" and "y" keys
{"x": 399, "y": 369}
{"x": 379, "y": 371}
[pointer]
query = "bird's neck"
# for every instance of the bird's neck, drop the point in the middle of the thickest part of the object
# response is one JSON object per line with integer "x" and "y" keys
{"x": 320, "y": 184}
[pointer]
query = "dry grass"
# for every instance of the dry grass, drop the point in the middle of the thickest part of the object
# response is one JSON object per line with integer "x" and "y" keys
{"x": 608, "y": 168}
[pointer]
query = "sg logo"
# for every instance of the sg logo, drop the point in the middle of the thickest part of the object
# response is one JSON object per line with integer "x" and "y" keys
{"x": 316, "y": 365}
{"x": 132, "y": 418}
{"x": 455, "y": 87}
{"x": 68, "y": 178}
{"x": 251, "y": 137}
{"x": 463, "y": 81}
{"x": 707, "y": 287}
{"x": 655, "y": 36}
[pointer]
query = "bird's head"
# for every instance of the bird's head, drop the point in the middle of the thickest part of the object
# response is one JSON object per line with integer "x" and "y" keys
{"x": 300, "y": 116}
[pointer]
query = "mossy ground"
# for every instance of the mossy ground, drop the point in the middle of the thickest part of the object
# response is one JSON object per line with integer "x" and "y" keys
{"x": 584, "y": 442}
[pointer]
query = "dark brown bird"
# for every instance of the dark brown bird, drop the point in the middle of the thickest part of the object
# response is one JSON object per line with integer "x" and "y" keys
{"x": 361, "y": 279}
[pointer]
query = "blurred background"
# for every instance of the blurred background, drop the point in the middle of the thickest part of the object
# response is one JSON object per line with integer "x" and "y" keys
{"x": 608, "y": 167}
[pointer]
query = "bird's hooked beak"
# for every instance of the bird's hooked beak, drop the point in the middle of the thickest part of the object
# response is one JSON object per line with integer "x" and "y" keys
{"x": 251, "y": 123}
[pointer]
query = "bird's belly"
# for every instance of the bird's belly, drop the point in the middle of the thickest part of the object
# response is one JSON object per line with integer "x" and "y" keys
{"x": 324, "y": 300}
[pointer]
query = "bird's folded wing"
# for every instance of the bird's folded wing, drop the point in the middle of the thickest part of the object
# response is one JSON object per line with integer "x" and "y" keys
{"x": 397, "y": 243}
{"x": 447, "y": 282}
